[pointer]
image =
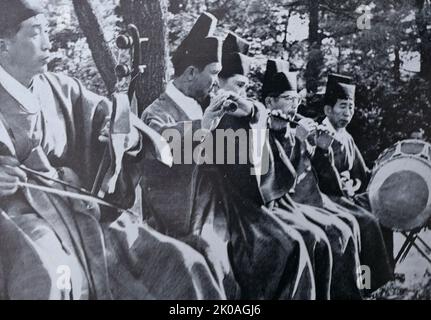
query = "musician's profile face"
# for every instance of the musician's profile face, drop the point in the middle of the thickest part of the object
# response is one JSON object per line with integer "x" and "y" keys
{"x": 287, "y": 102}
{"x": 238, "y": 83}
{"x": 29, "y": 49}
{"x": 205, "y": 80}
{"x": 341, "y": 113}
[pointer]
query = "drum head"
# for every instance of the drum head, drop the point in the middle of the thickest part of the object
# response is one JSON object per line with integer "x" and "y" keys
{"x": 399, "y": 193}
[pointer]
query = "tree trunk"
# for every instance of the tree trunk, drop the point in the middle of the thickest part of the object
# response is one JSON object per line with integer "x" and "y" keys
{"x": 339, "y": 56}
{"x": 315, "y": 55}
{"x": 397, "y": 64}
{"x": 100, "y": 51}
{"x": 150, "y": 18}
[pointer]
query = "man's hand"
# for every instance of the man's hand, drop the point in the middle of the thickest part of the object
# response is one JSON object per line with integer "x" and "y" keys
{"x": 10, "y": 176}
{"x": 305, "y": 128}
{"x": 324, "y": 138}
{"x": 278, "y": 120}
{"x": 244, "y": 106}
{"x": 214, "y": 112}
{"x": 226, "y": 102}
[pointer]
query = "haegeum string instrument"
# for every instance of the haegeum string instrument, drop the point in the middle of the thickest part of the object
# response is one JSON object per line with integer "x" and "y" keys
{"x": 126, "y": 113}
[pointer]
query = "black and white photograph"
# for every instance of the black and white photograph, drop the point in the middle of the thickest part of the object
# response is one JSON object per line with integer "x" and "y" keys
{"x": 236, "y": 150}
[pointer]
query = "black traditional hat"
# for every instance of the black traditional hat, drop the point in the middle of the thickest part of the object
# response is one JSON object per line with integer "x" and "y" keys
{"x": 278, "y": 78}
{"x": 200, "y": 47}
{"x": 339, "y": 87}
{"x": 234, "y": 56}
{"x": 14, "y": 12}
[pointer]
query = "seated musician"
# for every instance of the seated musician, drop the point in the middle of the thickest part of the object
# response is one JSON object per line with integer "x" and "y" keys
{"x": 53, "y": 247}
{"x": 353, "y": 177}
{"x": 181, "y": 108}
{"x": 269, "y": 257}
{"x": 280, "y": 93}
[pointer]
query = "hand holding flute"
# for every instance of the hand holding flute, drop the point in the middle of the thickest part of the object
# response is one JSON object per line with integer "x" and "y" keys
{"x": 225, "y": 102}
{"x": 324, "y": 138}
{"x": 306, "y": 128}
{"x": 315, "y": 134}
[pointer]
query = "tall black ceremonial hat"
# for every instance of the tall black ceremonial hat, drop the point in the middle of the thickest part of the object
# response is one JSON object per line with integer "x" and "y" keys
{"x": 234, "y": 43}
{"x": 278, "y": 78}
{"x": 200, "y": 47}
{"x": 339, "y": 87}
{"x": 234, "y": 56}
{"x": 14, "y": 12}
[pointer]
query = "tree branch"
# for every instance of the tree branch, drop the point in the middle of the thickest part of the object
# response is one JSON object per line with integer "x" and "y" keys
{"x": 100, "y": 50}
{"x": 338, "y": 11}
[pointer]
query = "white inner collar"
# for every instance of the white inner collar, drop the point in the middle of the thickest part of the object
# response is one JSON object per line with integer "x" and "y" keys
{"x": 19, "y": 92}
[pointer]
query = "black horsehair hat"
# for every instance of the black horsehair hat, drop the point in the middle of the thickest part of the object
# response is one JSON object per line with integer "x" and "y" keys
{"x": 234, "y": 56}
{"x": 339, "y": 87}
{"x": 278, "y": 78}
{"x": 14, "y": 12}
{"x": 200, "y": 47}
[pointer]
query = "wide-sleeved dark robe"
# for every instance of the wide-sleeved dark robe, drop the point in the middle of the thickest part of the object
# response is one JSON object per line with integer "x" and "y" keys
{"x": 343, "y": 176}
{"x": 56, "y": 248}
{"x": 341, "y": 240}
{"x": 269, "y": 257}
{"x": 167, "y": 188}
{"x": 167, "y": 191}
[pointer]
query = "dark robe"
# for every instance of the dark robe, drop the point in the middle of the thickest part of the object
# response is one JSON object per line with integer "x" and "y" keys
{"x": 342, "y": 238}
{"x": 350, "y": 166}
{"x": 41, "y": 234}
{"x": 268, "y": 256}
{"x": 167, "y": 192}
{"x": 167, "y": 188}
{"x": 345, "y": 184}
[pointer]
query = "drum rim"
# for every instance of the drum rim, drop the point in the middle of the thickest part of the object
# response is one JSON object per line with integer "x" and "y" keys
{"x": 375, "y": 168}
{"x": 402, "y": 142}
{"x": 405, "y": 157}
